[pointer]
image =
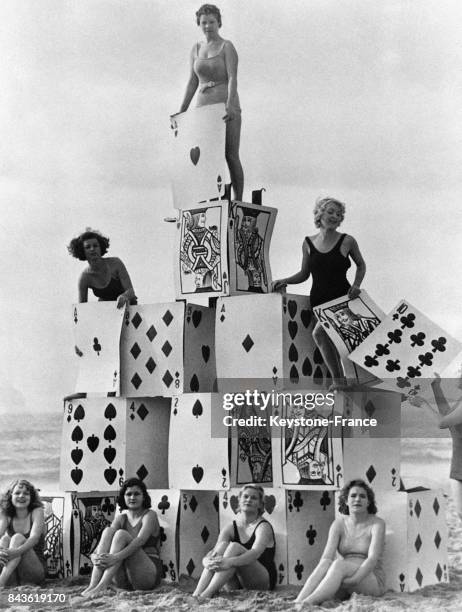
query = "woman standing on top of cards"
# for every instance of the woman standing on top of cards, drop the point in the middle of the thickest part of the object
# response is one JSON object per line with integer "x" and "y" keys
{"x": 326, "y": 256}
{"x": 214, "y": 73}
{"x": 107, "y": 277}
{"x": 243, "y": 556}
{"x": 22, "y": 536}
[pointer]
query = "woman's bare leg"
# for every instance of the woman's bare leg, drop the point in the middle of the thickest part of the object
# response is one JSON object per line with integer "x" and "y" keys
{"x": 329, "y": 354}
{"x": 119, "y": 541}
{"x": 456, "y": 487}
{"x": 29, "y": 567}
{"x": 332, "y": 581}
{"x": 233, "y": 138}
{"x": 103, "y": 547}
{"x": 207, "y": 574}
{"x": 313, "y": 580}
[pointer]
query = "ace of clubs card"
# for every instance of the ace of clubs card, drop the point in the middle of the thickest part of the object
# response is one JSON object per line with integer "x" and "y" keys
{"x": 199, "y": 171}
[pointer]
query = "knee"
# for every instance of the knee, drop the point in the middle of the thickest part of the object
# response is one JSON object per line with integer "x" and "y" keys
{"x": 121, "y": 537}
{"x": 5, "y": 541}
{"x": 17, "y": 540}
{"x": 233, "y": 549}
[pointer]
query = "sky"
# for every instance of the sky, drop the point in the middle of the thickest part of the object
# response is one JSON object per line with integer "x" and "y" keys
{"x": 358, "y": 99}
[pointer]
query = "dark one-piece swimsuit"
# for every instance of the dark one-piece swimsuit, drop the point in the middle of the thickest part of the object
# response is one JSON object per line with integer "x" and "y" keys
{"x": 267, "y": 556}
{"x": 111, "y": 291}
{"x": 151, "y": 547}
{"x": 329, "y": 273}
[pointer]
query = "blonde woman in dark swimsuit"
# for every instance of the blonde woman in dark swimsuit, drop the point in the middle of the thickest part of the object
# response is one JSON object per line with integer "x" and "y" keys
{"x": 22, "y": 536}
{"x": 352, "y": 558}
{"x": 127, "y": 554}
{"x": 214, "y": 75}
{"x": 107, "y": 277}
{"x": 243, "y": 556}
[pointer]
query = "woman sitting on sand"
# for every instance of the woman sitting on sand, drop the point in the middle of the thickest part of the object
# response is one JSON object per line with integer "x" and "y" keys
{"x": 107, "y": 277}
{"x": 243, "y": 556}
{"x": 22, "y": 536}
{"x": 358, "y": 537}
{"x": 127, "y": 555}
{"x": 326, "y": 256}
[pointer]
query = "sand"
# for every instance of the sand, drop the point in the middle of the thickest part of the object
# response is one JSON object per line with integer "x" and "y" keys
{"x": 440, "y": 597}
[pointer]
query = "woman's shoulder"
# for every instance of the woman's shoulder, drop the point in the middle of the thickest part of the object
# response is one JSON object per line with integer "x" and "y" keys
{"x": 376, "y": 521}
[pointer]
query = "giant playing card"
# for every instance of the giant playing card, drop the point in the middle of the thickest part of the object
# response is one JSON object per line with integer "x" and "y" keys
{"x": 201, "y": 263}
{"x": 97, "y": 329}
{"x": 249, "y": 234}
{"x": 152, "y": 350}
{"x": 199, "y": 171}
{"x": 405, "y": 349}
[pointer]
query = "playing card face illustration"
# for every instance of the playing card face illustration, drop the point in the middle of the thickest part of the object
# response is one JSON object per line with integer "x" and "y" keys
{"x": 309, "y": 517}
{"x": 198, "y": 528}
{"x": 202, "y": 463}
{"x": 406, "y": 349}
{"x": 165, "y": 503}
{"x": 374, "y": 460}
{"x": 200, "y": 372}
{"x": 57, "y": 550}
{"x": 152, "y": 350}
{"x": 348, "y": 323}
{"x": 251, "y": 446}
{"x": 249, "y": 342}
{"x": 201, "y": 264}
{"x": 249, "y": 236}
{"x": 199, "y": 171}
{"x": 307, "y": 454}
{"x": 97, "y": 328}
{"x": 415, "y": 552}
{"x": 275, "y": 514}
{"x": 303, "y": 365}
{"x": 106, "y": 440}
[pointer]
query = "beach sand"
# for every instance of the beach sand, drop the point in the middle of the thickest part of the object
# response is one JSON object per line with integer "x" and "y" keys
{"x": 440, "y": 597}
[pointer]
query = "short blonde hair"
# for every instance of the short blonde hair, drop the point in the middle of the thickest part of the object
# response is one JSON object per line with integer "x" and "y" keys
{"x": 322, "y": 204}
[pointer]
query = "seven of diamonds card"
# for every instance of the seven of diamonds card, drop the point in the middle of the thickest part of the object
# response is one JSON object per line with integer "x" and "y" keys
{"x": 152, "y": 350}
{"x": 199, "y": 170}
{"x": 97, "y": 329}
{"x": 405, "y": 349}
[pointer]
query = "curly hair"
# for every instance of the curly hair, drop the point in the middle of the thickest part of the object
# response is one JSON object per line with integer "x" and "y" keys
{"x": 261, "y": 492}
{"x": 322, "y": 204}
{"x": 342, "y": 500}
{"x": 133, "y": 482}
{"x": 6, "y": 503}
{"x": 75, "y": 247}
{"x": 208, "y": 9}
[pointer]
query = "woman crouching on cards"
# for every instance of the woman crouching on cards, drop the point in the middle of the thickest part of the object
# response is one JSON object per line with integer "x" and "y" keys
{"x": 22, "y": 536}
{"x": 107, "y": 277}
{"x": 326, "y": 256}
{"x": 243, "y": 556}
{"x": 358, "y": 536}
{"x": 127, "y": 554}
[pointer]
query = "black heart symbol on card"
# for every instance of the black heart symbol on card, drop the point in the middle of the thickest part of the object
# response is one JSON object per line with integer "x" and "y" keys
{"x": 197, "y": 409}
{"x": 109, "y": 433}
{"x": 110, "y": 475}
{"x": 109, "y": 454}
{"x": 76, "y": 475}
{"x": 110, "y": 412}
{"x": 194, "y": 384}
{"x": 194, "y": 154}
{"x": 205, "y": 352}
{"x": 77, "y": 434}
{"x": 196, "y": 317}
{"x": 305, "y": 316}
{"x": 76, "y": 455}
{"x": 292, "y": 306}
{"x": 270, "y": 502}
{"x": 93, "y": 443}
{"x": 79, "y": 413}
{"x": 197, "y": 473}
{"x": 293, "y": 329}
{"x": 234, "y": 503}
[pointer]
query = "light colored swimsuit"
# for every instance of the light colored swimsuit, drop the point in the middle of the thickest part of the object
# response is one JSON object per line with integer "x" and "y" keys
{"x": 358, "y": 546}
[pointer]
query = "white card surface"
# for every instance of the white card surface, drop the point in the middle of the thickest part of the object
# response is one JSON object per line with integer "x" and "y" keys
{"x": 97, "y": 327}
{"x": 200, "y": 371}
{"x": 199, "y": 171}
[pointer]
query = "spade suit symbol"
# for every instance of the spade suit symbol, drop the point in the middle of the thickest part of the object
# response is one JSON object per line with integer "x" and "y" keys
{"x": 197, "y": 409}
{"x": 197, "y": 473}
{"x": 79, "y": 413}
{"x": 194, "y": 154}
{"x": 77, "y": 434}
{"x": 92, "y": 443}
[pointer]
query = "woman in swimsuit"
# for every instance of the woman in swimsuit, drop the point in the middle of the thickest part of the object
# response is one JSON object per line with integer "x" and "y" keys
{"x": 358, "y": 537}
{"x": 107, "y": 277}
{"x": 22, "y": 536}
{"x": 127, "y": 554}
{"x": 326, "y": 256}
{"x": 243, "y": 556}
{"x": 214, "y": 73}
